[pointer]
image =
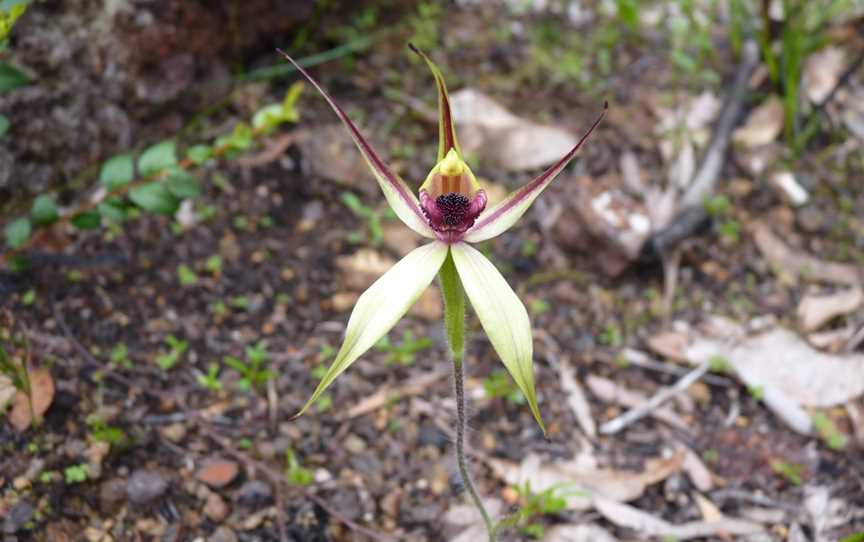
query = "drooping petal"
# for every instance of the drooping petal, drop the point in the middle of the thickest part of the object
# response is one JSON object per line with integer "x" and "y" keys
{"x": 381, "y": 306}
{"x": 401, "y": 199}
{"x": 503, "y": 317}
{"x": 499, "y": 218}
{"x": 446, "y": 128}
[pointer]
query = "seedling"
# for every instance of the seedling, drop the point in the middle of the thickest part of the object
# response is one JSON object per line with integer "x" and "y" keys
{"x": 253, "y": 371}
{"x": 120, "y": 356}
{"x": 792, "y": 472}
{"x": 100, "y": 431}
{"x": 404, "y": 352}
{"x": 186, "y": 276}
{"x": 719, "y": 364}
{"x": 373, "y": 218}
{"x": 211, "y": 379}
{"x": 832, "y": 436}
{"x": 294, "y": 472}
{"x": 176, "y": 350}
{"x": 75, "y": 474}
{"x": 551, "y": 501}
{"x": 499, "y": 384}
{"x": 214, "y": 264}
{"x": 15, "y": 368}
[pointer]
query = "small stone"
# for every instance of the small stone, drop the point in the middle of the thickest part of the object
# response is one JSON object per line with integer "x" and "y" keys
{"x": 175, "y": 432}
{"x": 355, "y": 444}
{"x": 400, "y": 239}
{"x": 18, "y": 517}
{"x": 223, "y": 534}
{"x": 218, "y": 473}
{"x": 254, "y": 493}
{"x": 112, "y": 495}
{"x": 145, "y": 486}
{"x": 215, "y": 508}
{"x": 810, "y": 219}
{"x": 390, "y": 503}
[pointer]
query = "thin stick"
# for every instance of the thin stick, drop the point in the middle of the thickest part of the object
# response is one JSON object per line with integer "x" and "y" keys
{"x": 619, "y": 423}
{"x": 459, "y": 385}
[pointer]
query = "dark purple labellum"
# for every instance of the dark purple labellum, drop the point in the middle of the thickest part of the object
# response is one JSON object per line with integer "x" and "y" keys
{"x": 452, "y": 213}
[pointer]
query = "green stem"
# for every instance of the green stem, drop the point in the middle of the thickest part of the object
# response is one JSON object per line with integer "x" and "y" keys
{"x": 454, "y": 326}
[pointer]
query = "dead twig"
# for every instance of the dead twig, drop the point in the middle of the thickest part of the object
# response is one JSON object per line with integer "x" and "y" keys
{"x": 619, "y": 423}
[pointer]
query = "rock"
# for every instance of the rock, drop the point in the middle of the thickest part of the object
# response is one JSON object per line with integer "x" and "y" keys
{"x": 215, "y": 508}
{"x": 112, "y": 495}
{"x": 145, "y": 486}
{"x": 605, "y": 222}
{"x": 329, "y": 153}
{"x": 18, "y": 517}
{"x": 790, "y": 188}
{"x": 217, "y": 473}
{"x": 174, "y": 432}
{"x": 223, "y": 534}
{"x": 763, "y": 125}
{"x": 355, "y": 444}
{"x": 399, "y": 238}
{"x": 254, "y": 493}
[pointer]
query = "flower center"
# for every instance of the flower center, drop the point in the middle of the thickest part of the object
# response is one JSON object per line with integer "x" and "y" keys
{"x": 453, "y": 208}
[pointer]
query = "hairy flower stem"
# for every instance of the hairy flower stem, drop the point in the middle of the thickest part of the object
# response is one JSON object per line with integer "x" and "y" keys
{"x": 454, "y": 325}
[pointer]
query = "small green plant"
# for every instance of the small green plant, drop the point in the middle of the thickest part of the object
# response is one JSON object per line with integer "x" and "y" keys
{"x": 533, "y": 506}
{"x": 294, "y": 472}
{"x": 826, "y": 428}
{"x": 719, "y": 364}
{"x": 156, "y": 182}
{"x": 539, "y": 306}
{"x": 373, "y": 218}
{"x": 176, "y": 350}
{"x": 253, "y": 371}
{"x": 611, "y": 335}
{"x": 720, "y": 208}
{"x": 15, "y": 369}
{"x": 186, "y": 276}
{"x": 100, "y": 431}
{"x": 405, "y": 352}
{"x": 756, "y": 392}
{"x": 792, "y": 472}
{"x": 210, "y": 380}
{"x": 75, "y": 474}
{"x": 120, "y": 356}
{"x": 214, "y": 264}
{"x": 499, "y": 384}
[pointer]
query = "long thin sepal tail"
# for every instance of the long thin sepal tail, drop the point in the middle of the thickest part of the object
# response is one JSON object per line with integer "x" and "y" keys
{"x": 446, "y": 128}
{"x": 401, "y": 199}
{"x": 503, "y": 317}
{"x": 501, "y": 217}
{"x": 381, "y": 306}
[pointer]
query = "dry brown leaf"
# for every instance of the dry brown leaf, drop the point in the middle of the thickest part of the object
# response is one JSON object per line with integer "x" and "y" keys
{"x": 218, "y": 473}
{"x": 578, "y": 533}
{"x": 708, "y": 509}
{"x": 822, "y": 72}
{"x": 415, "y": 386}
{"x": 624, "y": 515}
{"x": 669, "y": 344}
{"x": 576, "y": 399}
{"x": 497, "y": 135}
{"x": 763, "y": 125}
{"x": 611, "y": 392}
{"x": 7, "y": 391}
{"x": 816, "y": 310}
{"x": 582, "y": 481}
{"x": 42, "y": 395}
{"x": 792, "y": 265}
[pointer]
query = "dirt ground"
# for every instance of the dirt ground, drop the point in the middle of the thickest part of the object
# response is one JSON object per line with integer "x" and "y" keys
{"x": 136, "y": 446}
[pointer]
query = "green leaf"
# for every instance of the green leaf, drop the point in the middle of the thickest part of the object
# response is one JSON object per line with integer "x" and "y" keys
{"x": 44, "y": 210}
{"x": 4, "y": 125}
{"x": 11, "y": 77}
{"x": 199, "y": 154}
{"x": 88, "y": 220}
{"x": 117, "y": 171}
{"x": 17, "y": 232}
{"x": 112, "y": 211}
{"x": 158, "y": 157}
{"x": 182, "y": 184}
{"x": 154, "y": 197}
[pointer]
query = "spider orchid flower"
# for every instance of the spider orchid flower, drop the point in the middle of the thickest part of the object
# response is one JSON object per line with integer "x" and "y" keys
{"x": 451, "y": 211}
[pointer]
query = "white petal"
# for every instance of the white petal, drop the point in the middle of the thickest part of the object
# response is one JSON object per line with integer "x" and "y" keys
{"x": 503, "y": 317}
{"x": 382, "y": 305}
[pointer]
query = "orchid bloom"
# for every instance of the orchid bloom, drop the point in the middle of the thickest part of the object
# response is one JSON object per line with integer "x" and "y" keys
{"x": 451, "y": 211}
